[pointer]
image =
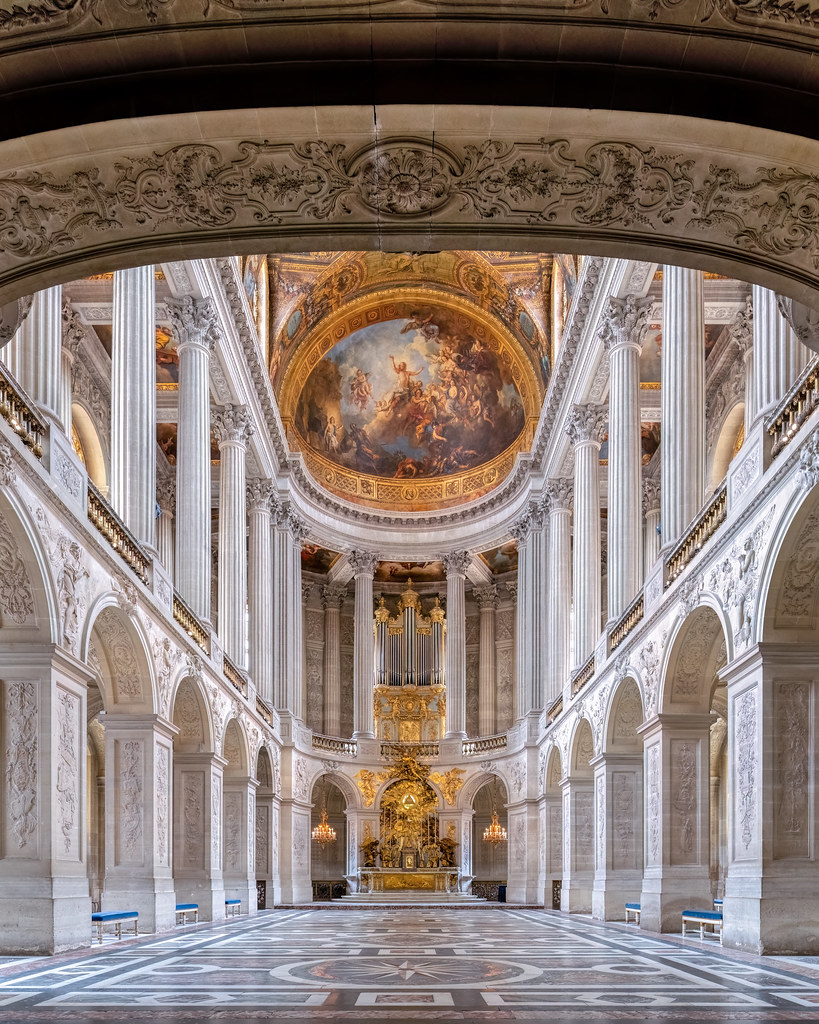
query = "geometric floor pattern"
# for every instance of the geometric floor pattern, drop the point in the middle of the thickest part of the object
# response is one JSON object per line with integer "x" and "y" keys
{"x": 408, "y": 966}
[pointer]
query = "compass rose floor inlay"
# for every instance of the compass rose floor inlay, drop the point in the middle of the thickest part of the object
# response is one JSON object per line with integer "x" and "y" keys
{"x": 408, "y": 966}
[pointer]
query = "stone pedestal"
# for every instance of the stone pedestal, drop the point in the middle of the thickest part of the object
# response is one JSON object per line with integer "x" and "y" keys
{"x": 618, "y": 808}
{"x": 578, "y": 845}
{"x": 138, "y": 775}
{"x": 44, "y": 900}
{"x": 676, "y": 771}
{"x": 197, "y": 846}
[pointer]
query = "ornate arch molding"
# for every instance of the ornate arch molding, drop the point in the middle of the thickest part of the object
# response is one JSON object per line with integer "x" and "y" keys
{"x": 739, "y": 200}
{"x": 125, "y": 663}
{"x": 342, "y": 782}
{"x": 700, "y": 644}
{"x": 187, "y": 677}
{"x": 29, "y": 603}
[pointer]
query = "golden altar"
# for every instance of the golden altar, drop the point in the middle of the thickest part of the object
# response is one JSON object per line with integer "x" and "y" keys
{"x": 419, "y": 880}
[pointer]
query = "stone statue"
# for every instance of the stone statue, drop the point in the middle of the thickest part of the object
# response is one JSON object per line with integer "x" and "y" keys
{"x": 371, "y": 852}
{"x": 447, "y": 846}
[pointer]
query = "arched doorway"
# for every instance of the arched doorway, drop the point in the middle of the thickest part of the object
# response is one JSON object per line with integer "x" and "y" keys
{"x": 490, "y": 858}
{"x": 328, "y": 860}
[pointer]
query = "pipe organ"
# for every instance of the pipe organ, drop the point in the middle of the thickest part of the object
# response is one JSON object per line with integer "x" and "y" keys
{"x": 409, "y": 670}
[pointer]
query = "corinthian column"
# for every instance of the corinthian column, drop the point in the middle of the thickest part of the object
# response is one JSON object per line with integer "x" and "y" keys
{"x": 363, "y": 564}
{"x": 559, "y": 599}
{"x": 260, "y": 588}
{"x": 332, "y": 597}
{"x": 586, "y": 426}
{"x": 133, "y": 402}
{"x": 487, "y": 598}
{"x": 166, "y": 499}
{"x": 194, "y": 324}
{"x": 233, "y": 429}
{"x": 287, "y": 610}
{"x": 623, "y": 338}
{"x": 522, "y": 531}
{"x": 455, "y": 565}
{"x": 34, "y": 354}
{"x": 683, "y": 401}
{"x": 651, "y": 511}
{"x": 742, "y": 332}
{"x": 779, "y": 356}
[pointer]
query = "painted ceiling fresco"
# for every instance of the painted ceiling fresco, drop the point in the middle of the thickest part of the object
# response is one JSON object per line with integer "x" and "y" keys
{"x": 420, "y": 395}
{"x": 418, "y": 572}
{"x": 317, "y": 559}
{"x": 502, "y": 559}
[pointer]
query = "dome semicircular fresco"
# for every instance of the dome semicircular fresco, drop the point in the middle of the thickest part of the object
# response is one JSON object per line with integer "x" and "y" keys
{"x": 411, "y": 396}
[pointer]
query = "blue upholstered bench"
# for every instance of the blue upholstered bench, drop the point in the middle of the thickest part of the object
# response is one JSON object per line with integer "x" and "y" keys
{"x": 703, "y": 919}
{"x": 183, "y": 909}
{"x": 102, "y": 917}
{"x": 233, "y": 908}
{"x": 718, "y": 905}
{"x": 633, "y": 908}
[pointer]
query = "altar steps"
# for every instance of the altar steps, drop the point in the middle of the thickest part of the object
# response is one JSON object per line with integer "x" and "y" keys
{"x": 411, "y": 898}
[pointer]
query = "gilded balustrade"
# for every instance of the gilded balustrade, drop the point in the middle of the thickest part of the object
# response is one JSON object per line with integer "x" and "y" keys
{"x": 349, "y": 748}
{"x": 485, "y": 745}
{"x": 554, "y": 708}
{"x": 18, "y": 412}
{"x": 234, "y": 676}
{"x": 112, "y": 528}
{"x": 795, "y": 408}
{"x": 189, "y": 622}
{"x": 583, "y": 674}
{"x": 628, "y": 620}
{"x": 698, "y": 534}
{"x": 264, "y": 710}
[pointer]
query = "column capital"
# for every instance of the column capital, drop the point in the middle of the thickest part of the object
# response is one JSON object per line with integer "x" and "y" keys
{"x": 486, "y": 596}
{"x": 626, "y": 322}
{"x": 232, "y": 425}
{"x": 456, "y": 562}
{"x": 741, "y": 327}
{"x": 363, "y": 562}
{"x": 587, "y": 423}
{"x": 259, "y": 493}
{"x": 194, "y": 321}
{"x": 333, "y": 594}
{"x": 512, "y": 587}
{"x": 651, "y": 495}
{"x": 559, "y": 494}
{"x": 73, "y": 330}
{"x": 287, "y": 519}
{"x": 531, "y": 519}
{"x": 306, "y": 590}
{"x": 166, "y": 494}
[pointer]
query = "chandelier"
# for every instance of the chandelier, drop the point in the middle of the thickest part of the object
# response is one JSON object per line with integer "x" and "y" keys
{"x": 324, "y": 833}
{"x": 494, "y": 832}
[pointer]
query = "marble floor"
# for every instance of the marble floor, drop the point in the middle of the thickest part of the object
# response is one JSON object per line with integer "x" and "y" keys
{"x": 408, "y": 966}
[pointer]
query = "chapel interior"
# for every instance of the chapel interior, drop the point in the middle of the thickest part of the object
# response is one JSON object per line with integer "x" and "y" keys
{"x": 408, "y": 501}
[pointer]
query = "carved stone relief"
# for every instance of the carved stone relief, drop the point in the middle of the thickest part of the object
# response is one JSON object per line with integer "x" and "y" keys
{"x": 68, "y": 771}
{"x": 262, "y": 832}
{"x": 797, "y": 596}
{"x": 193, "y": 833}
{"x": 600, "y": 818}
{"x": 300, "y": 779}
{"x": 518, "y": 775}
{"x": 684, "y": 802}
{"x": 162, "y": 763}
{"x": 16, "y": 596}
{"x": 792, "y": 770}
{"x": 233, "y": 831}
{"x": 584, "y": 845}
{"x": 216, "y": 820}
{"x": 654, "y": 818}
{"x": 555, "y": 838}
{"x": 131, "y": 803}
{"x": 121, "y": 658}
{"x": 745, "y": 767}
{"x": 623, "y": 819}
{"x": 21, "y": 755}
{"x": 736, "y": 580}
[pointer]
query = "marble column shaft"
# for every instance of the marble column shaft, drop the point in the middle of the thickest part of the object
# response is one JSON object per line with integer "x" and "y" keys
{"x": 779, "y": 356}
{"x": 287, "y": 610}
{"x": 683, "y": 401}
{"x": 651, "y": 511}
{"x": 332, "y": 596}
{"x": 133, "y": 402}
{"x": 73, "y": 340}
{"x": 194, "y": 324}
{"x": 586, "y": 427}
{"x": 260, "y": 588}
{"x": 455, "y": 564}
{"x": 34, "y": 354}
{"x": 625, "y": 327}
{"x": 559, "y": 599}
{"x": 521, "y": 531}
{"x": 363, "y": 563}
{"x": 233, "y": 429}
{"x": 487, "y": 598}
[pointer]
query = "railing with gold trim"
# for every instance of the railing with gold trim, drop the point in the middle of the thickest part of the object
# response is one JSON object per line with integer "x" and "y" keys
{"x": 335, "y": 746}
{"x": 189, "y": 622}
{"x": 583, "y": 674}
{"x": 697, "y": 535}
{"x": 117, "y": 533}
{"x": 264, "y": 709}
{"x": 18, "y": 411}
{"x": 485, "y": 745}
{"x": 554, "y": 708}
{"x": 391, "y": 750}
{"x": 795, "y": 408}
{"x": 234, "y": 676}
{"x": 628, "y": 620}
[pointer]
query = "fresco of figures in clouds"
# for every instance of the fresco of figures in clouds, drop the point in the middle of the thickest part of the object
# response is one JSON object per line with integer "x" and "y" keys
{"x": 418, "y": 396}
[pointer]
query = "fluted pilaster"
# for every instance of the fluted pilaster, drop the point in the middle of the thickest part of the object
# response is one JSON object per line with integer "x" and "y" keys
{"x": 166, "y": 499}
{"x": 623, "y": 338}
{"x": 363, "y": 564}
{"x": 332, "y": 597}
{"x": 683, "y": 401}
{"x": 34, "y": 354}
{"x": 487, "y": 598}
{"x": 651, "y": 512}
{"x": 559, "y": 597}
{"x": 232, "y": 428}
{"x": 586, "y": 427}
{"x": 525, "y": 598}
{"x": 194, "y": 323}
{"x": 742, "y": 333}
{"x": 779, "y": 356}
{"x": 455, "y": 565}
{"x": 260, "y": 587}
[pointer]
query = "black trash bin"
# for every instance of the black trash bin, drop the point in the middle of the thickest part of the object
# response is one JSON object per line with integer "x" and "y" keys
{"x": 501, "y": 894}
